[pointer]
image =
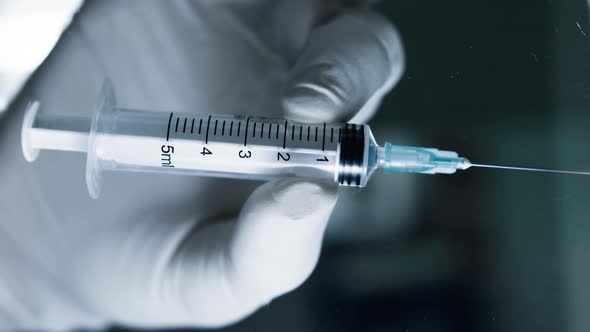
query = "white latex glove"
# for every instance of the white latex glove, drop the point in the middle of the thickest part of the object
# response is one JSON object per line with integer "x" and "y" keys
{"x": 165, "y": 250}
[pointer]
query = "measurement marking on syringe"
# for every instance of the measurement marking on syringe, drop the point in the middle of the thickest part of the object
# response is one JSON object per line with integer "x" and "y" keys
{"x": 246, "y": 132}
{"x": 211, "y": 127}
{"x": 168, "y": 130}
{"x": 285, "y": 136}
{"x": 207, "y": 133}
{"x": 324, "y": 138}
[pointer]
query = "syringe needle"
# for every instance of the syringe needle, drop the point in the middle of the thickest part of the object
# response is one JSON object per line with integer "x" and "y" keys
{"x": 531, "y": 169}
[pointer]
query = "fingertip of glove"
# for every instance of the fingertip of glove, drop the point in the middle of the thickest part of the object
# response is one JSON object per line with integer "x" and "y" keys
{"x": 348, "y": 65}
{"x": 313, "y": 103}
{"x": 386, "y": 35}
{"x": 298, "y": 199}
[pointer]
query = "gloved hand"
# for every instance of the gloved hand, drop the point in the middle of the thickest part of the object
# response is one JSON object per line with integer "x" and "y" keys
{"x": 165, "y": 250}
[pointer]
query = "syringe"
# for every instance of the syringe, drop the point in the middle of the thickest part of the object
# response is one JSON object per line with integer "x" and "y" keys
{"x": 118, "y": 139}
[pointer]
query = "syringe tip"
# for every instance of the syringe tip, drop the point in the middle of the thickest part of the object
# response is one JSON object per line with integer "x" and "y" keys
{"x": 395, "y": 158}
{"x": 464, "y": 164}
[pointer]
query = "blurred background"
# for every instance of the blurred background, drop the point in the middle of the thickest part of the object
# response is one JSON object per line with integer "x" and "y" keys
{"x": 501, "y": 82}
{"x": 504, "y": 82}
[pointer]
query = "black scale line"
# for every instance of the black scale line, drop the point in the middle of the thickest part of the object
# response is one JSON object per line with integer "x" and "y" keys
{"x": 316, "y": 134}
{"x": 292, "y": 132}
{"x": 285, "y": 136}
{"x": 231, "y": 128}
{"x": 168, "y": 130}
{"x": 208, "y": 126}
{"x": 278, "y": 130}
{"x": 193, "y": 126}
{"x": 184, "y": 126}
{"x": 176, "y": 129}
{"x": 339, "y": 134}
{"x": 324, "y": 138}
{"x": 332, "y": 135}
{"x": 200, "y": 125}
{"x": 215, "y": 128}
{"x": 262, "y": 130}
{"x": 239, "y": 127}
{"x": 246, "y": 132}
{"x": 223, "y": 128}
{"x": 308, "y": 132}
{"x": 300, "y": 132}
{"x": 254, "y": 130}
{"x": 269, "y": 130}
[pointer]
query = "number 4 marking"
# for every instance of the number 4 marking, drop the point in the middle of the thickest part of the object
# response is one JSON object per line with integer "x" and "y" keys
{"x": 206, "y": 152}
{"x": 325, "y": 159}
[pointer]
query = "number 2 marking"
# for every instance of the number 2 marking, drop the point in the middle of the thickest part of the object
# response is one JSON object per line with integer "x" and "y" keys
{"x": 325, "y": 159}
{"x": 284, "y": 157}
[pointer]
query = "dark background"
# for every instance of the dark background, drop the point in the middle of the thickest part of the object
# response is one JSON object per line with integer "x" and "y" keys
{"x": 505, "y": 82}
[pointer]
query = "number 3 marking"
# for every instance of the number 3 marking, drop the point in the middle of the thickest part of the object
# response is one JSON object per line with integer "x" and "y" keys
{"x": 245, "y": 155}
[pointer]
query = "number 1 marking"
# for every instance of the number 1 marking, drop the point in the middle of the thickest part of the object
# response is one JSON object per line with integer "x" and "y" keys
{"x": 325, "y": 159}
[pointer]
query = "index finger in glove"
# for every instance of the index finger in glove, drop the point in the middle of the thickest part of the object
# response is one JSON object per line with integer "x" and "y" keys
{"x": 345, "y": 69}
